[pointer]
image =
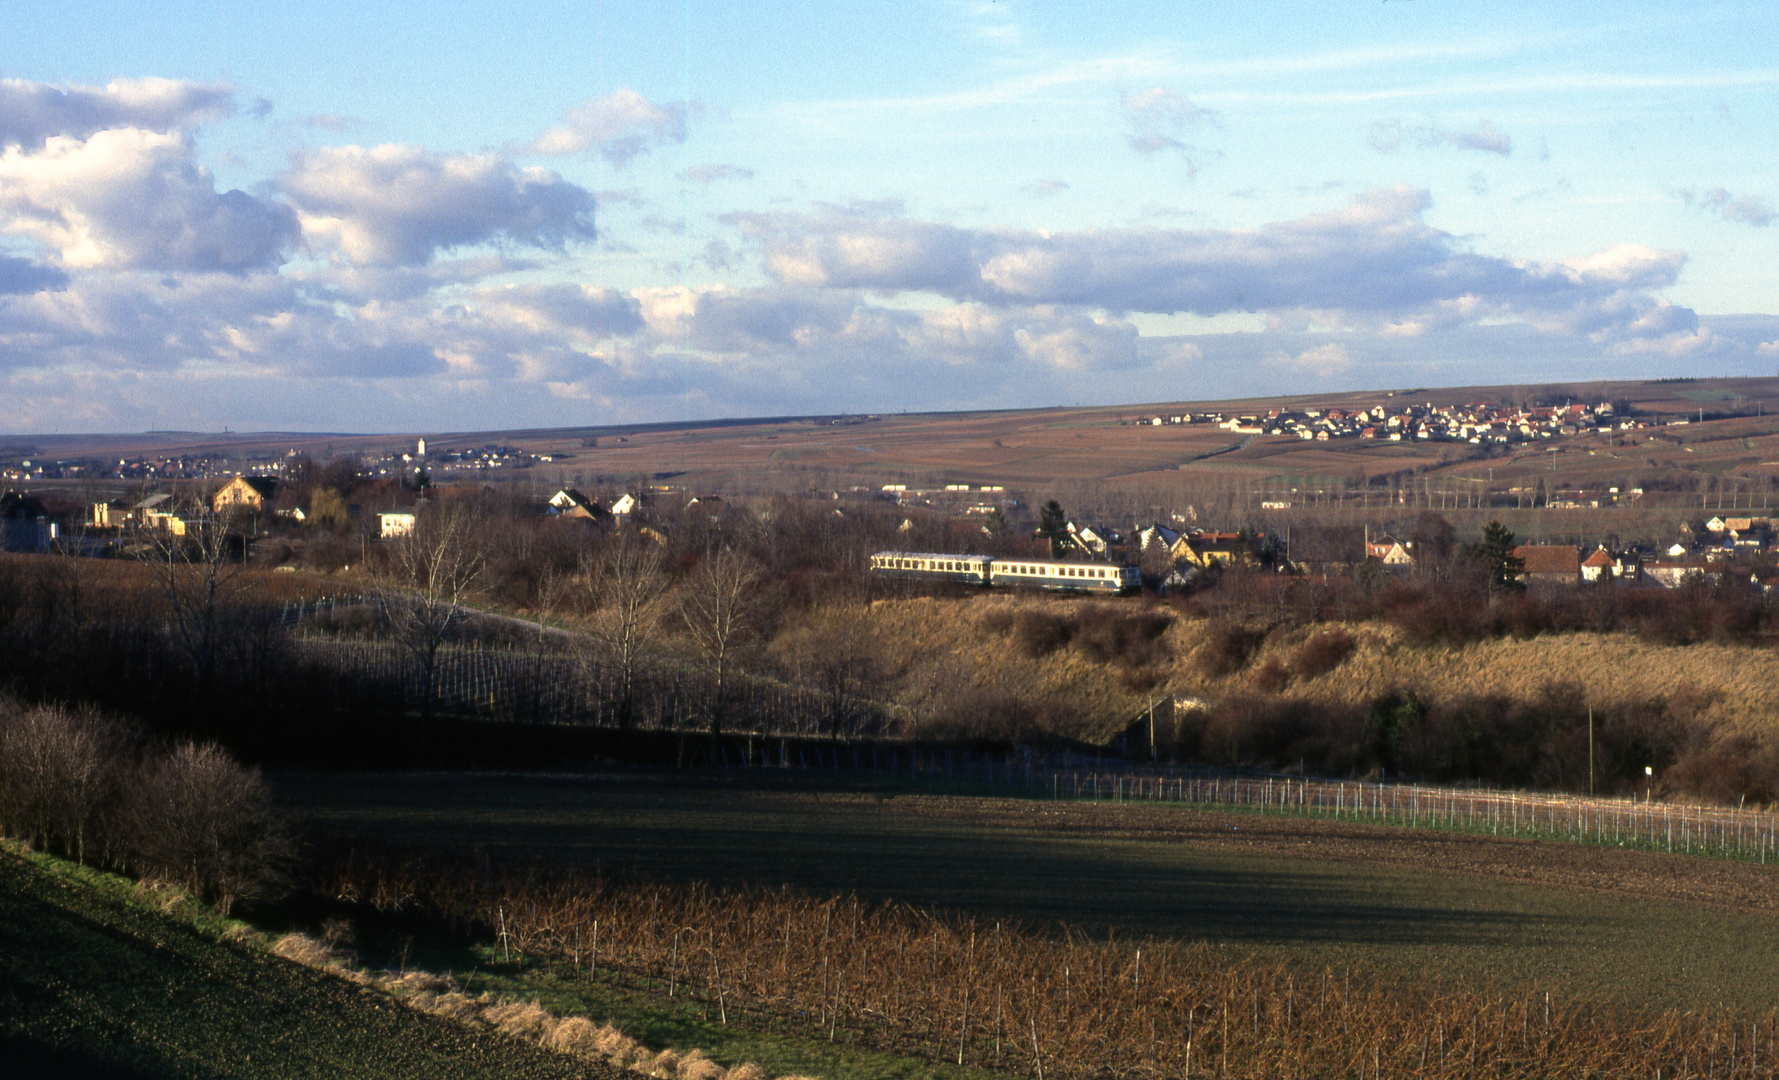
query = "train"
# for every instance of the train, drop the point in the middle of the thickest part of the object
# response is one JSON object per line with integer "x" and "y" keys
{"x": 987, "y": 570}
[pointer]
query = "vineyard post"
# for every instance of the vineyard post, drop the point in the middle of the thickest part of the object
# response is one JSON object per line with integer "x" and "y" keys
{"x": 722, "y": 1010}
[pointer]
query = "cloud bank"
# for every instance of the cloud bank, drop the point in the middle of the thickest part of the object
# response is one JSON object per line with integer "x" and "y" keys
{"x": 133, "y": 290}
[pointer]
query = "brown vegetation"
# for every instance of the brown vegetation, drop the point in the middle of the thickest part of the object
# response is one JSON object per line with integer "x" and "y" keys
{"x": 88, "y": 787}
{"x": 999, "y": 996}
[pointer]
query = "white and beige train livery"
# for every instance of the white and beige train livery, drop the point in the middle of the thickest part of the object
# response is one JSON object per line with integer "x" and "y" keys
{"x": 988, "y": 570}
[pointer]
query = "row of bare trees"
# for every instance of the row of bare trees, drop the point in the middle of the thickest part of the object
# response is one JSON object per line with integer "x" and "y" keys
{"x": 91, "y": 787}
{"x": 620, "y": 590}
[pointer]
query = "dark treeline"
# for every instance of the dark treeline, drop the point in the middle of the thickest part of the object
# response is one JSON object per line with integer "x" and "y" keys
{"x": 669, "y": 619}
{"x": 94, "y": 788}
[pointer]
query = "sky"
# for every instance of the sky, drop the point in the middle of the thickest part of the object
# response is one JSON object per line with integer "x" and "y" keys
{"x": 463, "y": 216}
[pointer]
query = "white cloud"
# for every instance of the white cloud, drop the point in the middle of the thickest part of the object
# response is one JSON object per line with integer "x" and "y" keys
{"x": 135, "y": 198}
{"x": 1325, "y": 361}
{"x": 618, "y": 127}
{"x": 710, "y": 174}
{"x": 584, "y": 313}
{"x": 1372, "y": 263}
{"x": 398, "y": 205}
{"x": 1158, "y": 117}
{"x": 32, "y": 112}
{"x": 1388, "y": 136}
{"x": 1743, "y": 210}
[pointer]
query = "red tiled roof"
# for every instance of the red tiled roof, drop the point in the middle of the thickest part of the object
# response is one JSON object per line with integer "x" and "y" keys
{"x": 1548, "y": 559}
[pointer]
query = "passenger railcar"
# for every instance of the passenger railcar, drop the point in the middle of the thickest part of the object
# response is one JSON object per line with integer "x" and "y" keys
{"x": 984, "y": 570}
{"x": 1069, "y": 576}
{"x": 932, "y": 566}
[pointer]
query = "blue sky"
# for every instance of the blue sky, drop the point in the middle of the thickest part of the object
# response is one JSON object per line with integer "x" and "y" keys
{"x": 442, "y": 216}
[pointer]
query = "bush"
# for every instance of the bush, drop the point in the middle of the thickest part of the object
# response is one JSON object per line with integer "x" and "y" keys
{"x": 84, "y": 785}
{"x": 1039, "y": 633}
{"x": 200, "y": 820}
{"x": 1270, "y": 677}
{"x": 1322, "y": 653}
{"x": 1226, "y": 648}
{"x": 1114, "y": 635}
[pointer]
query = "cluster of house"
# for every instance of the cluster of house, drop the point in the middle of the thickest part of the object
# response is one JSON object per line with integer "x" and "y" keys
{"x": 36, "y": 469}
{"x": 975, "y": 499}
{"x": 1729, "y": 547}
{"x": 258, "y": 495}
{"x": 1478, "y": 422}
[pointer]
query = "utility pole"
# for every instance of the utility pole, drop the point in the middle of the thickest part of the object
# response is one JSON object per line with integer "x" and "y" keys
{"x": 1590, "y": 751}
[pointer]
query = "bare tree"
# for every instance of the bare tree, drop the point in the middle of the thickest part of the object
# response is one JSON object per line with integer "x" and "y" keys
{"x": 836, "y": 653}
{"x": 549, "y": 595}
{"x": 202, "y": 579}
{"x": 719, "y": 608}
{"x": 204, "y": 822}
{"x": 626, "y": 581}
{"x": 433, "y": 570}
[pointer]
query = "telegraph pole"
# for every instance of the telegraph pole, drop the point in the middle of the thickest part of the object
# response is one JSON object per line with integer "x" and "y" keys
{"x": 1590, "y": 751}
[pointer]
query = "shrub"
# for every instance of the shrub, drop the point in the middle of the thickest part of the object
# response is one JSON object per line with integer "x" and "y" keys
{"x": 1321, "y": 653}
{"x": 1039, "y": 633}
{"x": 1226, "y": 648}
{"x": 1115, "y": 635}
{"x": 198, "y": 819}
{"x": 1270, "y": 677}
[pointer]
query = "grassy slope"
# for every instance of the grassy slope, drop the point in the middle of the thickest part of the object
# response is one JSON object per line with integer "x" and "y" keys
{"x": 93, "y": 984}
{"x": 1736, "y": 687}
{"x": 1472, "y": 926}
{"x": 935, "y": 644}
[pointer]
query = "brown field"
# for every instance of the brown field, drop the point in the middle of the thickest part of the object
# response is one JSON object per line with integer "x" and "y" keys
{"x": 113, "y": 585}
{"x": 1088, "y": 453}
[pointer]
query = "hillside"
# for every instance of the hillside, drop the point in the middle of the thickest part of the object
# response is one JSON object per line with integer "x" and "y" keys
{"x": 96, "y": 984}
{"x": 1084, "y": 669}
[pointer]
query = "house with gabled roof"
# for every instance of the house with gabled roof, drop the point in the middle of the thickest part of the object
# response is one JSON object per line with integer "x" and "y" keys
{"x": 250, "y": 493}
{"x": 25, "y": 525}
{"x": 1597, "y": 565}
{"x": 1549, "y": 564}
{"x": 570, "y": 503}
{"x": 1205, "y": 550}
{"x": 1388, "y": 550}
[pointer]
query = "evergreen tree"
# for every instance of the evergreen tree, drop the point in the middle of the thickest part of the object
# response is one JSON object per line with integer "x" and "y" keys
{"x": 1053, "y": 525}
{"x": 1495, "y": 552}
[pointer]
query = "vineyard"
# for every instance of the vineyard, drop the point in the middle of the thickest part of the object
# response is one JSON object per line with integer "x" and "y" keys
{"x": 559, "y": 681}
{"x": 1729, "y": 832}
{"x": 994, "y": 995}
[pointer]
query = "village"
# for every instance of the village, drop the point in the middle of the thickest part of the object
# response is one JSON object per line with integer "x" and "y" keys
{"x": 1176, "y": 554}
{"x": 1477, "y": 423}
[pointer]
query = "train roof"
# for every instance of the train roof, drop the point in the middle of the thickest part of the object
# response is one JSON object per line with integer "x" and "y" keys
{"x": 930, "y": 555}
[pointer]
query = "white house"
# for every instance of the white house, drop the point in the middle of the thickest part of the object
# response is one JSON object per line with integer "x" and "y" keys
{"x": 394, "y": 523}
